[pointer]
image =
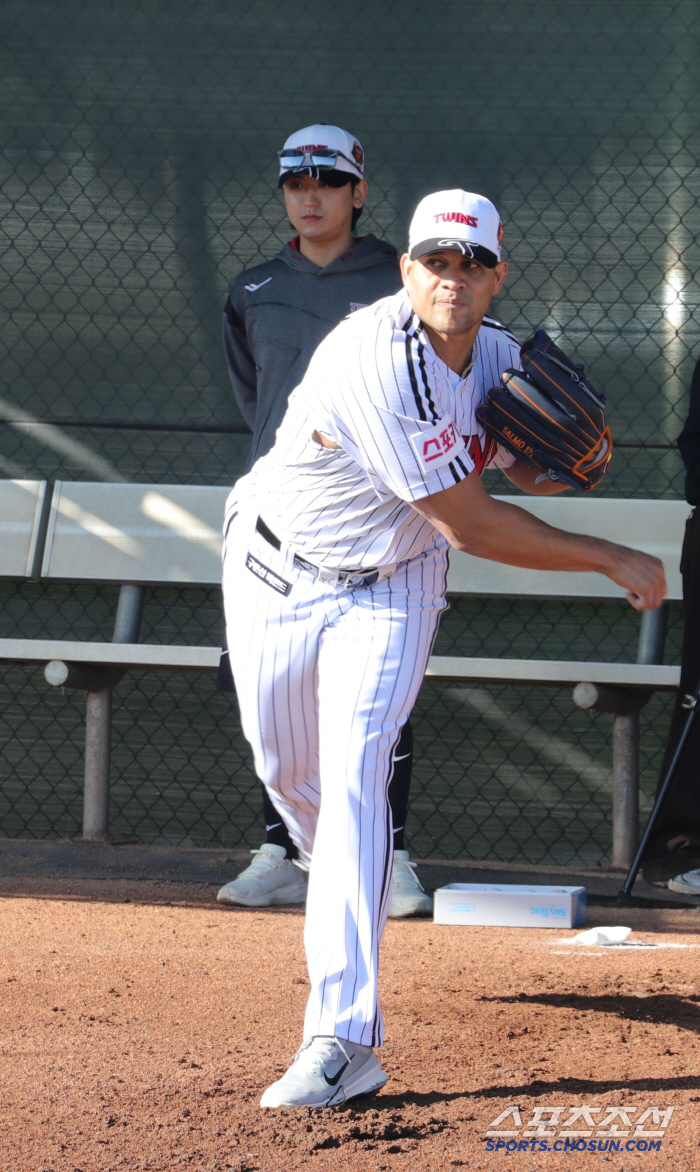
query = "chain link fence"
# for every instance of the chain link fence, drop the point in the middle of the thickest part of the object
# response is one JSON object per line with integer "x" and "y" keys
{"x": 138, "y": 176}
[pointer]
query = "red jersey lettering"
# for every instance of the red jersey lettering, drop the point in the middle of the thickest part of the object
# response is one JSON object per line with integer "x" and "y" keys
{"x": 481, "y": 454}
{"x": 437, "y": 445}
{"x": 432, "y": 450}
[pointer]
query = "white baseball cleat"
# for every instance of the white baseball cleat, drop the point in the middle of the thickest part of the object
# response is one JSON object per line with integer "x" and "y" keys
{"x": 407, "y": 896}
{"x": 324, "y": 1073}
{"x": 270, "y": 879}
{"x": 689, "y": 883}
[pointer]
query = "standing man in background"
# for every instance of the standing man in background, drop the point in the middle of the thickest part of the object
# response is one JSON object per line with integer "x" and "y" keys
{"x": 276, "y": 315}
{"x": 673, "y": 854}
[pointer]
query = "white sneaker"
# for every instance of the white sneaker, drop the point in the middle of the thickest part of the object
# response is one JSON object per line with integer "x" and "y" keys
{"x": 688, "y": 884}
{"x": 407, "y": 896}
{"x": 324, "y": 1073}
{"x": 270, "y": 879}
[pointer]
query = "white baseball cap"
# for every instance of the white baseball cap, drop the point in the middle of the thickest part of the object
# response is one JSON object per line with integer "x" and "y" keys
{"x": 315, "y": 149}
{"x": 457, "y": 221}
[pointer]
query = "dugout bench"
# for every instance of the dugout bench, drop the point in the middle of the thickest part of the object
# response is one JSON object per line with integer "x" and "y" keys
{"x": 138, "y": 535}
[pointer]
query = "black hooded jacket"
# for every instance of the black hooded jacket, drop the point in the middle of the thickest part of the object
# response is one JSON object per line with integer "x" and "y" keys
{"x": 277, "y": 314}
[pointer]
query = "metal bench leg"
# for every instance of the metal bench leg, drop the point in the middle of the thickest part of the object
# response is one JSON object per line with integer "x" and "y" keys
{"x": 98, "y": 740}
{"x": 625, "y": 828}
{"x": 625, "y": 704}
{"x": 98, "y": 724}
{"x": 127, "y": 623}
{"x": 652, "y": 637}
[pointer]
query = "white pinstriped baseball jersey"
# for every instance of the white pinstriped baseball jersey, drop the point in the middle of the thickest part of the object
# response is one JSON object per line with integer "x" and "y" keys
{"x": 406, "y": 428}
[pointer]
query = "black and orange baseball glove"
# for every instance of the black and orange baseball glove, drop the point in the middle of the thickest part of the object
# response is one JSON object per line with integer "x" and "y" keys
{"x": 549, "y": 416}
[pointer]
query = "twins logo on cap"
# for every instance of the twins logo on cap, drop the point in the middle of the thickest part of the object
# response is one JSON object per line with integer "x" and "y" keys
{"x": 318, "y": 148}
{"x": 457, "y": 221}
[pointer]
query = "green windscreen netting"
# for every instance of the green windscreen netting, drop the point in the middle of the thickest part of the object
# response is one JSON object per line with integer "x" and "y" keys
{"x": 138, "y": 176}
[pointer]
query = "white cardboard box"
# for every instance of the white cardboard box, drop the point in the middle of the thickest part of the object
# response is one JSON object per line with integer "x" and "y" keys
{"x": 510, "y": 905}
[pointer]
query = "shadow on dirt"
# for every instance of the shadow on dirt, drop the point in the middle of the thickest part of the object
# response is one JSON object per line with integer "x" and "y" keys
{"x": 147, "y": 892}
{"x": 656, "y": 1009}
{"x": 399, "y": 1102}
{"x": 585, "y": 1086}
{"x": 538, "y": 1087}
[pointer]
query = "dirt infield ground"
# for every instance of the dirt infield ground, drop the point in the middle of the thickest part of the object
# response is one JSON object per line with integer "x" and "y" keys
{"x": 140, "y": 1023}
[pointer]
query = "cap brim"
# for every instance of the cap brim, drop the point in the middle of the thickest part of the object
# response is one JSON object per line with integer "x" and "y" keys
{"x": 450, "y": 244}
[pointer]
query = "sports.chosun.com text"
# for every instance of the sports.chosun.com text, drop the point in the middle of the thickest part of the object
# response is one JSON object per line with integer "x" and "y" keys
{"x": 582, "y": 1127}
{"x": 573, "y": 1145}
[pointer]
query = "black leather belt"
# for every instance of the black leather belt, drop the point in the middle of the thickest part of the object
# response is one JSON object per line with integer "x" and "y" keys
{"x": 344, "y": 577}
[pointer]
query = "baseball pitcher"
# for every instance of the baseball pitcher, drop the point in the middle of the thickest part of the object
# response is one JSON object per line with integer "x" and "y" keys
{"x": 336, "y": 551}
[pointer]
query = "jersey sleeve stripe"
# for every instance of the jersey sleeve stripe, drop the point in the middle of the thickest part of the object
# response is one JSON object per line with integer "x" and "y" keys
{"x": 424, "y": 392}
{"x": 424, "y": 376}
{"x": 414, "y": 381}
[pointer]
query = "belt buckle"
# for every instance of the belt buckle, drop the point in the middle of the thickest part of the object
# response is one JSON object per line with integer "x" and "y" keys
{"x": 331, "y": 577}
{"x": 361, "y": 578}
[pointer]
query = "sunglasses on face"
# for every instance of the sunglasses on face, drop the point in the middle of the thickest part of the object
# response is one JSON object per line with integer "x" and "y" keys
{"x": 323, "y": 157}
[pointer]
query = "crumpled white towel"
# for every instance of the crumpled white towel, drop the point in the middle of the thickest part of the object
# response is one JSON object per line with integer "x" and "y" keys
{"x": 602, "y": 936}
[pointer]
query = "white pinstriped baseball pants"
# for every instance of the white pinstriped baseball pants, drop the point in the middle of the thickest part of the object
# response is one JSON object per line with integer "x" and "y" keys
{"x": 326, "y": 678}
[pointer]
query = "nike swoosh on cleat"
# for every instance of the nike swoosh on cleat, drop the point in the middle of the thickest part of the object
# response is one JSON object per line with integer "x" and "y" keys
{"x": 333, "y": 1082}
{"x": 403, "y": 758}
{"x": 254, "y": 288}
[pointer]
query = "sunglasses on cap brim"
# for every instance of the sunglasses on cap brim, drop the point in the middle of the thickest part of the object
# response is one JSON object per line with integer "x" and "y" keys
{"x": 291, "y": 159}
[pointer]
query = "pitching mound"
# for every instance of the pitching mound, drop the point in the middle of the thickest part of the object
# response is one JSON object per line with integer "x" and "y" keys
{"x": 140, "y": 1023}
